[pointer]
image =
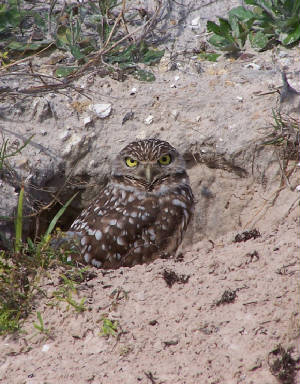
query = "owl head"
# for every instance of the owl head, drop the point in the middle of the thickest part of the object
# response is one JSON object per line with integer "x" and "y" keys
{"x": 149, "y": 162}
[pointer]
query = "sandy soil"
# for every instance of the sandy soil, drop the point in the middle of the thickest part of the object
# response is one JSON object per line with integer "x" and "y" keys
{"x": 188, "y": 332}
{"x": 234, "y": 306}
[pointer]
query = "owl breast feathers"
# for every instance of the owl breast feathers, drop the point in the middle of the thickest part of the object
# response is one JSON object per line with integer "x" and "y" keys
{"x": 143, "y": 211}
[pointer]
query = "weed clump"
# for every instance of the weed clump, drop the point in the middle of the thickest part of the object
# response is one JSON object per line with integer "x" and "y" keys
{"x": 171, "y": 277}
{"x": 265, "y": 23}
{"x": 282, "y": 365}
{"x": 228, "y": 297}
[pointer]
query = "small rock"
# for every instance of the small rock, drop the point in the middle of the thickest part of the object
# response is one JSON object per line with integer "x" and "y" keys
{"x": 253, "y": 66}
{"x": 133, "y": 91}
{"x": 87, "y": 120}
{"x": 196, "y": 22}
{"x": 240, "y": 99}
{"x": 149, "y": 120}
{"x": 176, "y": 78}
{"x": 101, "y": 110}
{"x": 298, "y": 188}
{"x": 175, "y": 114}
{"x": 128, "y": 116}
{"x": 45, "y": 348}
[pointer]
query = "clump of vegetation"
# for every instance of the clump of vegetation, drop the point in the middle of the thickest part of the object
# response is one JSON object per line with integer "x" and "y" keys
{"x": 8, "y": 150}
{"x": 282, "y": 365}
{"x": 228, "y": 297}
{"x": 20, "y": 271}
{"x": 109, "y": 327}
{"x": 171, "y": 277}
{"x": 247, "y": 235}
{"x": 68, "y": 288}
{"x": 264, "y": 22}
{"x": 92, "y": 32}
{"x": 285, "y": 135}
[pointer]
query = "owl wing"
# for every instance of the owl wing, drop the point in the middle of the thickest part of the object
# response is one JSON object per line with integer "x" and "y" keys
{"x": 111, "y": 229}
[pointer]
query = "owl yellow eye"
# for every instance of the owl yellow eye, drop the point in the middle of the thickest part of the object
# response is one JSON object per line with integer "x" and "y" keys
{"x": 165, "y": 160}
{"x": 130, "y": 162}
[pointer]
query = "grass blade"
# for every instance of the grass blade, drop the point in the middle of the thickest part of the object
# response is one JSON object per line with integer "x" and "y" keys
{"x": 54, "y": 221}
{"x": 19, "y": 220}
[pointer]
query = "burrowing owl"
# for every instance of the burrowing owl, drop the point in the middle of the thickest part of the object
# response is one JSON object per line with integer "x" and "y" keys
{"x": 142, "y": 212}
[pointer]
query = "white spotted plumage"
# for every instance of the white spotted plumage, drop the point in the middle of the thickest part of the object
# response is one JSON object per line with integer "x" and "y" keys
{"x": 136, "y": 217}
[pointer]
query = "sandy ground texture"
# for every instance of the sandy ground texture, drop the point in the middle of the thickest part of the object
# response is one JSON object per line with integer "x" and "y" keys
{"x": 220, "y": 314}
{"x": 223, "y": 311}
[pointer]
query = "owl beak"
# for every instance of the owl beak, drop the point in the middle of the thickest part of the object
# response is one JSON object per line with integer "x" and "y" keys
{"x": 148, "y": 173}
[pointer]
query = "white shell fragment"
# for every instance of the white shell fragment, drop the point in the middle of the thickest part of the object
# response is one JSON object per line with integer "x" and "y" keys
{"x": 45, "y": 348}
{"x": 149, "y": 120}
{"x": 87, "y": 120}
{"x": 101, "y": 110}
{"x": 175, "y": 114}
{"x": 253, "y": 66}
{"x": 196, "y": 22}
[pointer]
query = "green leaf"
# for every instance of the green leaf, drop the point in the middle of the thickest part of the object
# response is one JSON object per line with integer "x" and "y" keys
{"x": 208, "y": 56}
{"x": 223, "y": 44}
{"x": 225, "y": 29}
{"x": 152, "y": 56}
{"x": 53, "y": 223}
{"x": 19, "y": 221}
{"x": 241, "y": 13}
{"x": 21, "y": 47}
{"x": 142, "y": 75}
{"x": 258, "y": 40}
{"x": 292, "y": 37}
{"x": 213, "y": 27}
{"x": 75, "y": 50}
{"x": 61, "y": 37}
{"x": 64, "y": 71}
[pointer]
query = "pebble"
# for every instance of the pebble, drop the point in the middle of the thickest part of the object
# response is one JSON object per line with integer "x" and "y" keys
{"x": 102, "y": 110}
{"x": 87, "y": 120}
{"x": 175, "y": 114}
{"x": 253, "y": 66}
{"x": 45, "y": 348}
{"x": 149, "y": 120}
{"x": 196, "y": 22}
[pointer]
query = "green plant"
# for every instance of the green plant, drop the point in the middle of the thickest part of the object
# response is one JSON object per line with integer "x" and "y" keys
{"x": 6, "y": 152}
{"x": 231, "y": 34}
{"x": 11, "y": 16}
{"x": 90, "y": 31}
{"x": 109, "y": 327}
{"x": 276, "y": 20}
{"x": 41, "y": 327}
{"x": 20, "y": 270}
{"x": 268, "y": 22}
{"x": 69, "y": 287}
